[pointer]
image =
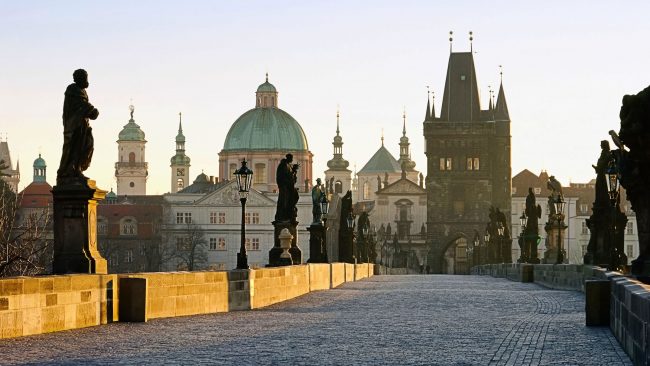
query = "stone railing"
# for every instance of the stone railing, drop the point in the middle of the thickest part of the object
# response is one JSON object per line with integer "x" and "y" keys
{"x": 35, "y": 305}
{"x": 383, "y": 270}
{"x": 611, "y": 298}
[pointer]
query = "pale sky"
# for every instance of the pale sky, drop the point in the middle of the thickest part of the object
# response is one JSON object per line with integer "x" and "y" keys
{"x": 566, "y": 66}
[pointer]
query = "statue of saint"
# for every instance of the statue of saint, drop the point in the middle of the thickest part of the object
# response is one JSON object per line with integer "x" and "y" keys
{"x": 317, "y": 194}
{"x": 77, "y": 133}
{"x": 533, "y": 212}
{"x": 286, "y": 178}
{"x": 556, "y": 192}
{"x": 602, "y": 194}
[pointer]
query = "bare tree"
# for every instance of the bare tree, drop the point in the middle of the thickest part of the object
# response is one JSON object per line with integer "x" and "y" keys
{"x": 189, "y": 248}
{"x": 25, "y": 237}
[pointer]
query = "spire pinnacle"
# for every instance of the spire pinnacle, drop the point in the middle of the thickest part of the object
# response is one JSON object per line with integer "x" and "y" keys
{"x": 267, "y": 77}
{"x": 180, "y": 122}
{"x": 433, "y": 106}
{"x": 501, "y": 73}
{"x": 471, "y": 38}
{"x": 427, "y": 115}
{"x": 404, "y": 122}
{"x": 337, "y": 122}
{"x": 382, "y": 137}
{"x": 131, "y": 109}
{"x": 451, "y": 39}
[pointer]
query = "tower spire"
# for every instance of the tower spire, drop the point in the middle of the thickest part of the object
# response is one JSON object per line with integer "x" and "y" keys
{"x": 337, "y": 121}
{"x": 404, "y": 121}
{"x": 433, "y": 106}
{"x": 427, "y": 115}
{"x": 471, "y": 38}
{"x": 180, "y": 122}
{"x": 267, "y": 76}
{"x": 382, "y": 136}
{"x": 501, "y": 108}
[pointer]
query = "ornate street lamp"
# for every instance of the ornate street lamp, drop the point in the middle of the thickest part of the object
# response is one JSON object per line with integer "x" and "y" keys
{"x": 559, "y": 209}
{"x": 525, "y": 256}
{"x": 477, "y": 246}
{"x": 325, "y": 209}
{"x": 244, "y": 178}
{"x": 523, "y": 220}
{"x": 612, "y": 181}
{"x": 486, "y": 239}
{"x": 350, "y": 221}
{"x": 500, "y": 231}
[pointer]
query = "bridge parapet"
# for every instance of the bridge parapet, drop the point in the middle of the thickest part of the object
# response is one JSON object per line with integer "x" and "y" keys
{"x": 35, "y": 305}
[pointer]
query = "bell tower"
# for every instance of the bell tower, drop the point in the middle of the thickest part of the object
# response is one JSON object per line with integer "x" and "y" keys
{"x": 180, "y": 163}
{"x": 131, "y": 169}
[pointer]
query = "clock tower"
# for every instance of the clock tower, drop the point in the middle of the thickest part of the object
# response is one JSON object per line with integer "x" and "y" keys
{"x": 131, "y": 169}
{"x": 180, "y": 163}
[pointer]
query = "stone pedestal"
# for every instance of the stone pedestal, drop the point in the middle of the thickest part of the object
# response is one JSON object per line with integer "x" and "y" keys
{"x": 554, "y": 240}
{"x": 317, "y": 248}
{"x": 75, "y": 228}
{"x": 276, "y": 251}
{"x": 285, "y": 244}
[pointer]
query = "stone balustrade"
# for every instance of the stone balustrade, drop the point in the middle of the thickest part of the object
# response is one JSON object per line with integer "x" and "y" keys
{"x": 35, "y": 305}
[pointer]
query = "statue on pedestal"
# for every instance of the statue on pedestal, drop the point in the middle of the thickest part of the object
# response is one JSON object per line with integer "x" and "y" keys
{"x": 317, "y": 194}
{"x": 77, "y": 133}
{"x": 286, "y": 178}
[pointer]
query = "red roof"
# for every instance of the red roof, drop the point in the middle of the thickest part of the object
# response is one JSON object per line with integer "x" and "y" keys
{"x": 36, "y": 195}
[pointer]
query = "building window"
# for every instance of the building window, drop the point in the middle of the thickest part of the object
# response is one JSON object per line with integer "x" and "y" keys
{"x": 213, "y": 243}
{"x": 128, "y": 258}
{"x": 182, "y": 244}
{"x": 629, "y": 229}
{"x": 462, "y": 77}
{"x": 232, "y": 168}
{"x": 183, "y": 217}
{"x": 338, "y": 187}
{"x": 113, "y": 260}
{"x": 260, "y": 174}
{"x": 180, "y": 184}
{"x": 102, "y": 226}
{"x": 213, "y": 217}
{"x": 445, "y": 164}
{"x": 366, "y": 190}
{"x": 131, "y": 184}
{"x": 585, "y": 228}
{"x": 143, "y": 250}
{"x": 221, "y": 218}
{"x": 252, "y": 243}
{"x": 252, "y": 218}
{"x": 537, "y": 190}
{"x": 630, "y": 251}
{"x": 131, "y": 158}
{"x": 472, "y": 163}
{"x": 128, "y": 226}
{"x": 584, "y": 208}
{"x": 221, "y": 244}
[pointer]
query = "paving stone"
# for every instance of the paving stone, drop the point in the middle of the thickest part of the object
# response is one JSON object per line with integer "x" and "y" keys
{"x": 397, "y": 320}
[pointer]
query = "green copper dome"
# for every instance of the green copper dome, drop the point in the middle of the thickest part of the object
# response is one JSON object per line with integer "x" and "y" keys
{"x": 266, "y": 129}
{"x": 39, "y": 162}
{"x": 180, "y": 159}
{"x": 111, "y": 195}
{"x": 266, "y": 88}
{"x": 131, "y": 132}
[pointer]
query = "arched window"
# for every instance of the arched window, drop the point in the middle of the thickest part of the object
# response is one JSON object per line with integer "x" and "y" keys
{"x": 128, "y": 226}
{"x": 366, "y": 190}
{"x": 180, "y": 184}
{"x": 232, "y": 169}
{"x": 131, "y": 158}
{"x": 338, "y": 187}
{"x": 259, "y": 173}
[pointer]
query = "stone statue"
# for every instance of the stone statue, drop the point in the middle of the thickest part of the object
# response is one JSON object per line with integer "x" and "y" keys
{"x": 421, "y": 180}
{"x": 385, "y": 179}
{"x": 533, "y": 212}
{"x": 317, "y": 195}
{"x": 77, "y": 133}
{"x": 556, "y": 192}
{"x": 331, "y": 186}
{"x": 286, "y": 178}
{"x": 378, "y": 182}
{"x": 602, "y": 194}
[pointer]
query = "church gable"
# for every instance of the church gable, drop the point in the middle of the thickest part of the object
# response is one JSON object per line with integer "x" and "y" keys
{"x": 402, "y": 186}
{"x": 228, "y": 195}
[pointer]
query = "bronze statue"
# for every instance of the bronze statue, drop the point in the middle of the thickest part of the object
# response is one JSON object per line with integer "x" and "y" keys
{"x": 77, "y": 133}
{"x": 317, "y": 194}
{"x": 602, "y": 194}
{"x": 286, "y": 178}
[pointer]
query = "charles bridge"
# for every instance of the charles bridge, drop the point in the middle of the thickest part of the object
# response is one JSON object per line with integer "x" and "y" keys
{"x": 506, "y": 314}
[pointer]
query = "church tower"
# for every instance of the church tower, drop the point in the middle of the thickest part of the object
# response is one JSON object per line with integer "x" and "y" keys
{"x": 405, "y": 162}
{"x": 131, "y": 169}
{"x": 40, "y": 170}
{"x": 338, "y": 167}
{"x": 9, "y": 175}
{"x": 468, "y": 166}
{"x": 180, "y": 163}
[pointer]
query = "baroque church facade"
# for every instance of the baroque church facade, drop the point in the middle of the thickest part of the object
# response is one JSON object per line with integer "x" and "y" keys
{"x": 468, "y": 165}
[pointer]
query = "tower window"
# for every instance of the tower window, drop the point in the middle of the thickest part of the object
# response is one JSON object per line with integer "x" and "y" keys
{"x": 260, "y": 173}
{"x": 180, "y": 184}
{"x": 366, "y": 190}
{"x": 472, "y": 163}
{"x": 445, "y": 163}
{"x": 338, "y": 187}
{"x": 131, "y": 158}
{"x": 131, "y": 184}
{"x": 462, "y": 77}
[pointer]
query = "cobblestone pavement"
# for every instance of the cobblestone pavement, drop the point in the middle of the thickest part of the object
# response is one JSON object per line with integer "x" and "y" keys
{"x": 397, "y": 320}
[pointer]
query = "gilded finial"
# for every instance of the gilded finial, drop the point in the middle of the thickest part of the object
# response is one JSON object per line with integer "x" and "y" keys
{"x": 382, "y": 136}
{"x": 471, "y": 38}
{"x": 267, "y": 77}
{"x": 501, "y": 72}
{"x": 132, "y": 109}
{"x": 337, "y": 120}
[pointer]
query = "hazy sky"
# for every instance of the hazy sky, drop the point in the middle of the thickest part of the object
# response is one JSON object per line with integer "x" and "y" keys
{"x": 566, "y": 67}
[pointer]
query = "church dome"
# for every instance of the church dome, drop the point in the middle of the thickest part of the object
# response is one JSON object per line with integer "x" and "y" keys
{"x": 131, "y": 131}
{"x": 111, "y": 195}
{"x": 39, "y": 162}
{"x": 266, "y": 127}
{"x": 266, "y": 88}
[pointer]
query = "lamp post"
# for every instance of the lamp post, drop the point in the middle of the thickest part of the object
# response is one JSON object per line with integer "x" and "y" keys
{"x": 500, "y": 231}
{"x": 613, "y": 183}
{"x": 350, "y": 221}
{"x": 486, "y": 238}
{"x": 525, "y": 247}
{"x": 477, "y": 248}
{"x": 325, "y": 209}
{"x": 244, "y": 178}
{"x": 364, "y": 231}
{"x": 559, "y": 209}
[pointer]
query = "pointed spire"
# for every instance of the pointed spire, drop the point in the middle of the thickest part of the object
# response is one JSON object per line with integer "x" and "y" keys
{"x": 382, "y": 137}
{"x": 433, "y": 106}
{"x": 180, "y": 122}
{"x": 490, "y": 97}
{"x": 337, "y": 121}
{"x": 404, "y": 122}
{"x": 267, "y": 77}
{"x": 502, "y": 113}
{"x": 427, "y": 115}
